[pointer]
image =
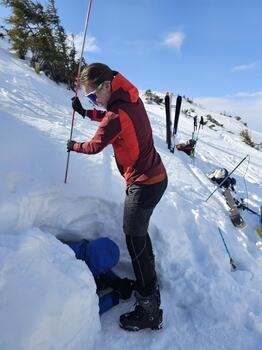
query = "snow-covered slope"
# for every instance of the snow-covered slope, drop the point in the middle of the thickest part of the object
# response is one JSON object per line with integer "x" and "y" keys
{"x": 47, "y": 297}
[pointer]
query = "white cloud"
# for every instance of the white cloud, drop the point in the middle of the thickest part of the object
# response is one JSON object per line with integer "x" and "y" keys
{"x": 245, "y": 67}
{"x": 249, "y": 94}
{"x": 90, "y": 43}
{"x": 175, "y": 39}
{"x": 250, "y": 109}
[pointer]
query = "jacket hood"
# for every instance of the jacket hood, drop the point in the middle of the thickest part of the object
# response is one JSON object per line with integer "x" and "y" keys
{"x": 123, "y": 90}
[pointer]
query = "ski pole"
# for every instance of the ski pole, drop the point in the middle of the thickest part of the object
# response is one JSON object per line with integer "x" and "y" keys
{"x": 195, "y": 123}
{"x": 200, "y": 123}
{"x": 77, "y": 81}
{"x": 232, "y": 263}
{"x": 221, "y": 183}
{"x": 194, "y": 127}
{"x": 244, "y": 207}
{"x": 192, "y": 152}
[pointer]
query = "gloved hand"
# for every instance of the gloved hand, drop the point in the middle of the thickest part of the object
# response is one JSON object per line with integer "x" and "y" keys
{"x": 77, "y": 106}
{"x": 124, "y": 287}
{"x": 70, "y": 145}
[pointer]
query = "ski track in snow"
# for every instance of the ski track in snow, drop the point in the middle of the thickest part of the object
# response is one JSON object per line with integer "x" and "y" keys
{"x": 206, "y": 306}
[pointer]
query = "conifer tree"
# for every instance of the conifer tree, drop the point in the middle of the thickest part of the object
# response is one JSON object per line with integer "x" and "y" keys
{"x": 73, "y": 66}
{"x": 19, "y": 19}
{"x": 40, "y": 31}
{"x": 60, "y": 56}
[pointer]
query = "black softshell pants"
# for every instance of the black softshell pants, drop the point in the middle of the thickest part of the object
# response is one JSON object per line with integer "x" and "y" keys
{"x": 140, "y": 202}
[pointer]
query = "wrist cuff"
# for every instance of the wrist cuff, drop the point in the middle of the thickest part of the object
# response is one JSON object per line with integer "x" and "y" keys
{"x": 77, "y": 147}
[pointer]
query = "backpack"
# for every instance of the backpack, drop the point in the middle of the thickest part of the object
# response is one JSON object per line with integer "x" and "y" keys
{"x": 187, "y": 147}
{"x": 219, "y": 174}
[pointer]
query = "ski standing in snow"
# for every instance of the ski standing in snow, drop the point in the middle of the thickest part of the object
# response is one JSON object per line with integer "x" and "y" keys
{"x": 171, "y": 135}
{"x": 177, "y": 114}
{"x": 168, "y": 99}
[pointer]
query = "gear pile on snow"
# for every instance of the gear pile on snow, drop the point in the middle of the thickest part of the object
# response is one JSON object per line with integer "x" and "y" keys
{"x": 218, "y": 176}
{"x": 189, "y": 146}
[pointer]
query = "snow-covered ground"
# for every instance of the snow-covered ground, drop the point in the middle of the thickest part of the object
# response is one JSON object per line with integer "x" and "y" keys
{"x": 47, "y": 297}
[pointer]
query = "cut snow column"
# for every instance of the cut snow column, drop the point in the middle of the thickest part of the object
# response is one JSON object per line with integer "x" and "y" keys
{"x": 48, "y": 298}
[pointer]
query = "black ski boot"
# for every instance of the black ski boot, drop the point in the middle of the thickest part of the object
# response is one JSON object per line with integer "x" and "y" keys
{"x": 147, "y": 313}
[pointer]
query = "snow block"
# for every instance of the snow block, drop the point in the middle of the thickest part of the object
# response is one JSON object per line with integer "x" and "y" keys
{"x": 48, "y": 298}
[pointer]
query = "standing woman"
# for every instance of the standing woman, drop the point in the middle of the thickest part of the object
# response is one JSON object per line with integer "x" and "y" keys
{"x": 126, "y": 126}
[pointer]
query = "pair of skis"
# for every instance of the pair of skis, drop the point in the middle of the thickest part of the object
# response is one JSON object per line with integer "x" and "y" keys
{"x": 234, "y": 214}
{"x": 241, "y": 205}
{"x": 235, "y": 205}
{"x": 171, "y": 134}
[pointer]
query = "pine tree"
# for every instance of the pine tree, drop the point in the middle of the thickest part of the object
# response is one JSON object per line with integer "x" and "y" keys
{"x": 40, "y": 31}
{"x": 20, "y": 32}
{"x": 60, "y": 58}
{"x": 51, "y": 13}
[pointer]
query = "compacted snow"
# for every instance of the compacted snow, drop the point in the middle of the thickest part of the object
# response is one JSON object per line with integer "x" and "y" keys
{"x": 48, "y": 298}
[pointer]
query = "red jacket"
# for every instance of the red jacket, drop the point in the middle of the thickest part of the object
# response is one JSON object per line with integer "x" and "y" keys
{"x": 126, "y": 126}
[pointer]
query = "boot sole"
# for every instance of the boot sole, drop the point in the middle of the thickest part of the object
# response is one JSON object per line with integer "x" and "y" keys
{"x": 157, "y": 326}
{"x": 136, "y": 329}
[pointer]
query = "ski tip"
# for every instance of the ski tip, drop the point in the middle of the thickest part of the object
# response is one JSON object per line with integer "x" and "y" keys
{"x": 167, "y": 93}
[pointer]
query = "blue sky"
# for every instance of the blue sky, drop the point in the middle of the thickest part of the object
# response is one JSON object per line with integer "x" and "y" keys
{"x": 206, "y": 49}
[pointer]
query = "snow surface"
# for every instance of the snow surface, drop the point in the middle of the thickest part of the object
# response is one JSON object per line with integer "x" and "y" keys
{"x": 47, "y": 297}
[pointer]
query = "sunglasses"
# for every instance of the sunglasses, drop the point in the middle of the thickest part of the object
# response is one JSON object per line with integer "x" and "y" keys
{"x": 92, "y": 95}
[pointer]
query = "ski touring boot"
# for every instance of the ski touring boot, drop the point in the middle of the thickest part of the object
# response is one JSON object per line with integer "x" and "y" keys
{"x": 147, "y": 313}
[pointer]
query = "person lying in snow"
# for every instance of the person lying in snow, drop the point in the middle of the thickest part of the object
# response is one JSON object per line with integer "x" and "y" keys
{"x": 101, "y": 255}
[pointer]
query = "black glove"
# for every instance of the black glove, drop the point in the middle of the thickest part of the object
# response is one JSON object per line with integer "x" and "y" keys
{"x": 124, "y": 287}
{"x": 70, "y": 145}
{"x": 76, "y": 104}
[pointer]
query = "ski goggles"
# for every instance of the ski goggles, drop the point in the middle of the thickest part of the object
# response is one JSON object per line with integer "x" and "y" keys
{"x": 92, "y": 95}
